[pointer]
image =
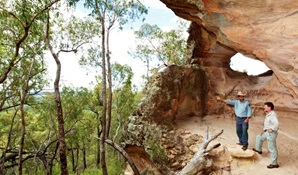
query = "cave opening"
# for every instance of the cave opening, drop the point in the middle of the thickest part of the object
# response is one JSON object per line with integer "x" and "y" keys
{"x": 252, "y": 67}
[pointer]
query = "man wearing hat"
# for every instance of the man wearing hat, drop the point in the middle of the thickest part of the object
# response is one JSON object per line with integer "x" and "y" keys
{"x": 243, "y": 113}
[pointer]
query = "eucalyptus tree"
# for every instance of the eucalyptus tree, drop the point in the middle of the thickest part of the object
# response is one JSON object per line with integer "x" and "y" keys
{"x": 124, "y": 95}
{"x": 65, "y": 35}
{"x": 48, "y": 140}
{"x": 21, "y": 63}
{"x": 158, "y": 48}
{"x": 20, "y": 20}
{"x": 110, "y": 13}
{"x": 80, "y": 125}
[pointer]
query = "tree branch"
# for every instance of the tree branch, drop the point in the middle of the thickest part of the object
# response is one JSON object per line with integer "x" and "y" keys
{"x": 198, "y": 162}
{"x": 125, "y": 155}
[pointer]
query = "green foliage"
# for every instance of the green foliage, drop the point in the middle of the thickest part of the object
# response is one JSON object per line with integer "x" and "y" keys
{"x": 157, "y": 48}
{"x": 115, "y": 166}
{"x": 116, "y": 10}
{"x": 71, "y": 33}
{"x": 123, "y": 96}
{"x": 156, "y": 151}
{"x": 91, "y": 171}
{"x": 22, "y": 45}
{"x": 80, "y": 126}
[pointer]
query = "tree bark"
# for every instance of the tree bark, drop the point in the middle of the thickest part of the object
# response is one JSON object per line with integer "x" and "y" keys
{"x": 104, "y": 93}
{"x": 199, "y": 161}
{"x": 72, "y": 160}
{"x": 60, "y": 119}
{"x": 110, "y": 97}
{"x": 50, "y": 169}
{"x": 23, "y": 94}
{"x": 84, "y": 155}
{"x": 98, "y": 147}
{"x": 61, "y": 135}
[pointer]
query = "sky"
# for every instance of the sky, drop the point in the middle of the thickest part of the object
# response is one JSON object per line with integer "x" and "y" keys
{"x": 241, "y": 63}
{"x": 122, "y": 41}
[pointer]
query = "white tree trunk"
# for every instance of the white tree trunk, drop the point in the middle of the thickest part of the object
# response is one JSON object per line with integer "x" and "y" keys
{"x": 199, "y": 161}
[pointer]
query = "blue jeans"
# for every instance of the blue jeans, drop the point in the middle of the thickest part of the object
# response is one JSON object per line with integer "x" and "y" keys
{"x": 241, "y": 129}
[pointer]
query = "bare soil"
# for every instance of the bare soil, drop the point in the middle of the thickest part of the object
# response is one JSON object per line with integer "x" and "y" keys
{"x": 287, "y": 143}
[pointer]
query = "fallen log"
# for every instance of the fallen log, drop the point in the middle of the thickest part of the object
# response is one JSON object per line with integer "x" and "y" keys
{"x": 199, "y": 161}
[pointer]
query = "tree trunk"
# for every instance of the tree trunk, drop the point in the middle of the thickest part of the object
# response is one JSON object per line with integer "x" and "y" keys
{"x": 98, "y": 147}
{"x": 77, "y": 159}
{"x": 61, "y": 136}
{"x": 110, "y": 86}
{"x": 23, "y": 130}
{"x": 84, "y": 156}
{"x": 50, "y": 169}
{"x": 72, "y": 160}
{"x": 104, "y": 101}
{"x": 61, "y": 132}
{"x": 125, "y": 155}
{"x": 198, "y": 162}
{"x": 23, "y": 94}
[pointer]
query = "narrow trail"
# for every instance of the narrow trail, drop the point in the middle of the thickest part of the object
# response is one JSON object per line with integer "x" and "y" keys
{"x": 287, "y": 143}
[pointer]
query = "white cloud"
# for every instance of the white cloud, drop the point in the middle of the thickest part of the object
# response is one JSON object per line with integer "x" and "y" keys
{"x": 124, "y": 41}
{"x": 72, "y": 74}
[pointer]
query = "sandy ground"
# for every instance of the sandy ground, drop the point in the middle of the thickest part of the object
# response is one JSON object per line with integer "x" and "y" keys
{"x": 287, "y": 142}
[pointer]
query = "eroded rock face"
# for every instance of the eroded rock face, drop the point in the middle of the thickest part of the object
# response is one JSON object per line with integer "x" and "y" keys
{"x": 263, "y": 30}
{"x": 177, "y": 92}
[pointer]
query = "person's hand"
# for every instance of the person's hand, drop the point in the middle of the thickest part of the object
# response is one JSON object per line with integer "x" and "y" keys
{"x": 269, "y": 130}
{"x": 217, "y": 98}
{"x": 262, "y": 132}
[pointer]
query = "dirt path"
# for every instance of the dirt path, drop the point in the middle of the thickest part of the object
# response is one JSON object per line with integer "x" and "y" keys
{"x": 287, "y": 143}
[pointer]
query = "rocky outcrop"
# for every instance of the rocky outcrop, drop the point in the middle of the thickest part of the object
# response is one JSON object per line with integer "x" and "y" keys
{"x": 177, "y": 92}
{"x": 151, "y": 136}
{"x": 262, "y": 30}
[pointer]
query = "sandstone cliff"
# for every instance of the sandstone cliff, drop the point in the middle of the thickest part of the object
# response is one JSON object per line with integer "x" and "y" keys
{"x": 263, "y": 30}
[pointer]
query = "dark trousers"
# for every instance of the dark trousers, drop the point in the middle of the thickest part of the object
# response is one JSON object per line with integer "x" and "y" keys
{"x": 241, "y": 129}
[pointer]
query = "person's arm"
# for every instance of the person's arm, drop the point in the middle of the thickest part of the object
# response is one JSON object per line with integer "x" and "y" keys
{"x": 275, "y": 124}
{"x": 262, "y": 132}
{"x": 246, "y": 120}
{"x": 249, "y": 113}
{"x": 220, "y": 99}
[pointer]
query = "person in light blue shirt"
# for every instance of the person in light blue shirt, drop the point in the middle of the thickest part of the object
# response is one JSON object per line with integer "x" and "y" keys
{"x": 243, "y": 113}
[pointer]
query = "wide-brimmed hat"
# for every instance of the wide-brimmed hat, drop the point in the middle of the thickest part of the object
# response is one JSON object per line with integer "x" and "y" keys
{"x": 240, "y": 94}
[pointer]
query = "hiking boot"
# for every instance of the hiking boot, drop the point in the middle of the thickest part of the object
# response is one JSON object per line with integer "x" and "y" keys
{"x": 260, "y": 152}
{"x": 244, "y": 148}
{"x": 272, "y": 166}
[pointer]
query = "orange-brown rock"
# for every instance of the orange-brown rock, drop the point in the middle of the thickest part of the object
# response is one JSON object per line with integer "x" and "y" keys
{"x": 263, "y": 30}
